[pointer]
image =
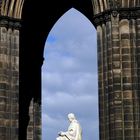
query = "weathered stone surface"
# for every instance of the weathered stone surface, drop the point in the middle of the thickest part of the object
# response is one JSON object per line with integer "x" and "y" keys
{"x": 118, "y": 87}
{"x": 118, "y": 37}
{"x": 9, "y": 100}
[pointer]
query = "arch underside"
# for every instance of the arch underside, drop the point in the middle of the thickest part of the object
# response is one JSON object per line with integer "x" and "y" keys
{"x": 14, "y": 8}
{"x": 36, "y": 25}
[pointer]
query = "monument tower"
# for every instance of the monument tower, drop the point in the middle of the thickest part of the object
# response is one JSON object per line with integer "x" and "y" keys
{"x": 24, "y": 26}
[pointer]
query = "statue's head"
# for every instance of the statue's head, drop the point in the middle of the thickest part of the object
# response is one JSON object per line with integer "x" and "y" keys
{"x": 71, "y": 117}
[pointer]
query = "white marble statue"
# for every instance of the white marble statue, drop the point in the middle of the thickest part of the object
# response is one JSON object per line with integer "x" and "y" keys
{"x": 74, "y": 130}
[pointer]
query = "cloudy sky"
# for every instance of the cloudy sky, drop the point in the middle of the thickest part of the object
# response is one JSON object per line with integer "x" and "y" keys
{"x": 70, "y": 77}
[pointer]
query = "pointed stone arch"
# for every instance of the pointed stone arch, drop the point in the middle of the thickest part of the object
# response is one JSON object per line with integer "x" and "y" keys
{"x": 118, "y": 61}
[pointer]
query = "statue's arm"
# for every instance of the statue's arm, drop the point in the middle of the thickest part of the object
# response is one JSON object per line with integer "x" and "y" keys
{"x": 71, "y": 132}
{"x": 61, "y": 133}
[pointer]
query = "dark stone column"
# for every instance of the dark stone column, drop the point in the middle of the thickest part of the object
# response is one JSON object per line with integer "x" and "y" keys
{"x": 101, "y": 84}
{"x": 9, "y": 80}
{"x": 119, "y": 70}
{"x": 137, "y": 76}
{"x": 4, "y": 85}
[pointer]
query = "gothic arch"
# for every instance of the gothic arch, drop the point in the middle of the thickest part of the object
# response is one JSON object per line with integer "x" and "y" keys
{"x": 34, "y": 46}
{"x": 118, "y": 60}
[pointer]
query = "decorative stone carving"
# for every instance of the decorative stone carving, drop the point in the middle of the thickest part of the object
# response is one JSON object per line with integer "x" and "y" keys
{"x": 124, "y": 13}
{"x": 102, "y": 18}
{"x": 10, "y": 22}
{"x": 131, "y": 13}
{"x": 114, "y": 13}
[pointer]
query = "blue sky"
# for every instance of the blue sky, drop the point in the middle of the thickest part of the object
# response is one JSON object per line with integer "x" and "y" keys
{"x": 70, "y": 77}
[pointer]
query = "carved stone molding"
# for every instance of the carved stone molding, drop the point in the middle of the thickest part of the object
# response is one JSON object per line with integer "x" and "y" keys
{"x": 124, "y": 13}
{"x": 102, "y": 18}
{"x": 9, "y": 22}
{"x": 129, "y": 13}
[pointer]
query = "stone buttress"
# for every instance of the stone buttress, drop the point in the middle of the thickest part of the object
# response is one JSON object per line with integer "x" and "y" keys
{"x": 118, "y": 33}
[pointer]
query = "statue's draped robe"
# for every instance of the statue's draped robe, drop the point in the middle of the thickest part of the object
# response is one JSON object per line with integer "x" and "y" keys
{"x": 74, "y": 132}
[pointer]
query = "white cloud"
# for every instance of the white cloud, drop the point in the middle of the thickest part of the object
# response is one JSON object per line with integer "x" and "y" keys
{"x": 76, "y": 57}
{"x": 58, "y": 123}
{"x": 72, "y": 27}
{"x": 67, "y": 103}
{"x": 60, "y": 104}
{"x": 75, "y": 40}
{"x": 54, "y": 125}
{"x": 70, "y": 76}
{"x": 71, "y": 83}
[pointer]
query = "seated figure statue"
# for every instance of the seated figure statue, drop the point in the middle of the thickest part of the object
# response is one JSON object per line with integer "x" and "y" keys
{"x": 74, "y": 130}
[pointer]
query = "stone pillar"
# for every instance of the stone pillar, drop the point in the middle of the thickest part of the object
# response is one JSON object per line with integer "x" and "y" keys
{"x": 34, "y": 127}
{"x": 37, "y": 121}
{"x": 4, "y": 84}
{"x": 9, "y": 80}
{"x": 118, "y": 32}
{"x": 137, "y": 80}
{"x": 30, "y": 128}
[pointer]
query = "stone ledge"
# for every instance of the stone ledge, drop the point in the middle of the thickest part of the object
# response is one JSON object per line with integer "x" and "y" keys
{"x": 9, "y": 22}
{"x": 124, "y": 13}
